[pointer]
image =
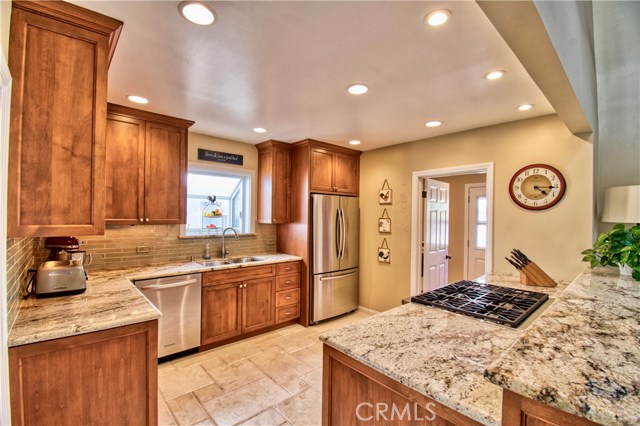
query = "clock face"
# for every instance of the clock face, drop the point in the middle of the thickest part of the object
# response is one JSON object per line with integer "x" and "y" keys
{"x": 537, "y": 187}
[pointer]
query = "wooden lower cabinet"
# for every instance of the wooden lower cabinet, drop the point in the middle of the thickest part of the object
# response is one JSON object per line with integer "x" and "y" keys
{"x": 518, "y": 410}
{"x": 257, "y": 304}
{"x": 355, "y": 394}
{"x": 221, "y": 307}
{"x": 248, "y": 300}
{"x": 105, "y": 377}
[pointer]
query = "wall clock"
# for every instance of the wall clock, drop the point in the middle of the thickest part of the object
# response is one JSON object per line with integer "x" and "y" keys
{"x": 537, "y": 187}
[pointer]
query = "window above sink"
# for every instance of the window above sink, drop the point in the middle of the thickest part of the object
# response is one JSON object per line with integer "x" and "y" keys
{"x": 232, "y": 206}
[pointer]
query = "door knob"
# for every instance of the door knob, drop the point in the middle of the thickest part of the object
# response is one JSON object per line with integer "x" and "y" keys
{"x": 447, "y": 257}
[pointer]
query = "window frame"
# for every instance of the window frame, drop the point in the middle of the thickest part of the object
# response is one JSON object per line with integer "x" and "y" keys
{"x": 249, "y": 199}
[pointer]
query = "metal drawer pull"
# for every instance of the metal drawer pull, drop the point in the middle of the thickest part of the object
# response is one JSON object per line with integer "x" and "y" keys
{"x": 287, "y": 298}
{"x": 337, "y": 277}
{"x": 178, "y": 284}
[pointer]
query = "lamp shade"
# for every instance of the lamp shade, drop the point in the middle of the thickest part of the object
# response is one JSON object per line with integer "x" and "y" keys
{"x": 622, "y": 204}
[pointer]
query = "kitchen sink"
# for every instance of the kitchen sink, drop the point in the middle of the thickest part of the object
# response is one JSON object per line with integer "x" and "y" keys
{"x": 215, "y": 262}
{"x": 245, "y": 259}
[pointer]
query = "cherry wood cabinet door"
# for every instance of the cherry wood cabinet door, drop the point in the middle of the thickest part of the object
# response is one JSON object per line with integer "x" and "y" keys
{"x": 518, "y": 410}
{"x": 258, "y": 304}
{"x": 355, "y": 394}
{"x": 104, "y": 377}
{"x": 165, "y": 175}
{"x": 58, "y": 57}
{"x": 321, "y": 170}
{"x": 274, "y": 182}
{"x": 346, "y": 174}
{"x": 221, "y": 312}
{"x": 125, "y": 170}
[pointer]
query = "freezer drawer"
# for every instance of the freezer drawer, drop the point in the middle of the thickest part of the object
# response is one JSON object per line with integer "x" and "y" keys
{"x": 334, "y": 294}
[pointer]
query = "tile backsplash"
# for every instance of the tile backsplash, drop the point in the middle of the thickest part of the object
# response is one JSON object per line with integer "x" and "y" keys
{"x": 20, "y": 257}
{"x": 127, "y": 246}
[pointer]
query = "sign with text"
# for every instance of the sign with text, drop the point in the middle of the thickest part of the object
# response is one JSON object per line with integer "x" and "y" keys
{"x": 220, "y": 157}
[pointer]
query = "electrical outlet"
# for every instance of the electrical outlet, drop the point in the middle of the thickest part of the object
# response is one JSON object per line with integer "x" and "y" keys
{"x": 142, "y": 249}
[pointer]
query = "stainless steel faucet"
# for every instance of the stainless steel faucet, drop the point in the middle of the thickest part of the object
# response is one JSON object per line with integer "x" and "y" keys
{"x": 225, "y": 251}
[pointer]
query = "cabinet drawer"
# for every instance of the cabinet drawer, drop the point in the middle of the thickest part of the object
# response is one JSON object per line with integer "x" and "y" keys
{"x": 284, "y": 298}
{"x": 288, "y": 268}
{"x": 287, "y": 282}
{"x": 239, "y": 274}
{"x": 287, "y": 313}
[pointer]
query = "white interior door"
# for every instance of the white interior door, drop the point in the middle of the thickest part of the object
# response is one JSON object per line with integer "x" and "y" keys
{"x": 476, "y": 231}
{"x": 436, "y": 238}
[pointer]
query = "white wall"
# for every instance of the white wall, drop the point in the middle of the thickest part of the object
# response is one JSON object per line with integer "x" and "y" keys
{"x": 617, "y": 54}
{"x": 570, "y": 27}
{"x": 553, "y": 238}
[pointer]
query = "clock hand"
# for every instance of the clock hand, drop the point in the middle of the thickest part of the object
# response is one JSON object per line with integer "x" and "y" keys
{"x": 541, "y": 190}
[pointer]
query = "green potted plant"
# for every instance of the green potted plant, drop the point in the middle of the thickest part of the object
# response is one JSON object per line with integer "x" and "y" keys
{"x": 618, "y": 247}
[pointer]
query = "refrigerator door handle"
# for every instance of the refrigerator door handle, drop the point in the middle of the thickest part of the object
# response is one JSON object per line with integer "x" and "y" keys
{"x": 337, "y": 277}
{"x": 344, "y": 233}
{"x": 338, "y": 234}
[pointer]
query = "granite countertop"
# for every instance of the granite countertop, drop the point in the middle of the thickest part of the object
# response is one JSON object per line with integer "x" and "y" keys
{"x": 583, "y": 354}
{"x": 438, "y": 353}
{"x": 111, "y": 300}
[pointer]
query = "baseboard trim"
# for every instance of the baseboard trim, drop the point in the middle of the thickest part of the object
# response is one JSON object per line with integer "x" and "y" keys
{"x": 367, "y": 310}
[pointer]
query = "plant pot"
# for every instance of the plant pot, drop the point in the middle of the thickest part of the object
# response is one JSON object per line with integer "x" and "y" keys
{"x": 625, "y": 269}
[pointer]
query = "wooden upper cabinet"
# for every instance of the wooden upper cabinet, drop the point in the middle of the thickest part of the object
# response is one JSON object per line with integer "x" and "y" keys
{"x": 146, "y": 167}
{"x": 333, "y": 169}
{"x": 321, "y": 170}
{"x": 346, "y": 173}
{"x": 274, "y": 182}
{"x": 58, "y": 57}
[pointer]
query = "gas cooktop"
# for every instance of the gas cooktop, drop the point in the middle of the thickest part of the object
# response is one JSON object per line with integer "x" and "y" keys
{"x": 503, "y": 305}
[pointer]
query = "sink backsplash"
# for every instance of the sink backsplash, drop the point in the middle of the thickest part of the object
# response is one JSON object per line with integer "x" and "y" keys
{"x": 131, "y": 246}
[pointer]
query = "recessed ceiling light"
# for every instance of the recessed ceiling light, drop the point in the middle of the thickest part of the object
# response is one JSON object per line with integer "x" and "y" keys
{"x": 354, "y": 142}
{"x": 357, "y": 89}
{"x": 138, "y": 99}
{"x": 437, "y": 17}
{"x": 434, "y": 123}
{"x": 494, "y": 75}
{"x": 260, "y": 130}
{"x": 525, "y": 107}
{"x": 197, "y": 12}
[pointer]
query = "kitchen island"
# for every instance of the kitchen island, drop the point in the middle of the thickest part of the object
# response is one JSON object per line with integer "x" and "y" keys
{"x": 443, "y": 356}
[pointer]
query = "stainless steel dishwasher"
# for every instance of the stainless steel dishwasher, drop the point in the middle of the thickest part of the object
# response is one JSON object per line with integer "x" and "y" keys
{"x": 179, "y": 301}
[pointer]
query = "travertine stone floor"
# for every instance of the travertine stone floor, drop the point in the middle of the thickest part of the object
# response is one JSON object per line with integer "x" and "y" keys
{"x": 272, "y": 379}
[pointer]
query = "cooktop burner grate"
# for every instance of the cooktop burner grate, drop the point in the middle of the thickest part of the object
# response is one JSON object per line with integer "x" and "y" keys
{"x": 503, "y": 305}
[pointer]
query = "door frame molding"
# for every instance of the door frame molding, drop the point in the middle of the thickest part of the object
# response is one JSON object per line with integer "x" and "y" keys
{"x": 467, "y": 191}
{"x": 5, "y": 106}
{"x": 416, "y": 188}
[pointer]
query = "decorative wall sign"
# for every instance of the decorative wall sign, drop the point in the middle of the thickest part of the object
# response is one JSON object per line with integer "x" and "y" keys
{"x": 384, "y": 223}
{"x": 220, "y": 157}
{"x": 384, "y": 252}
{"x": 384, "y": 195}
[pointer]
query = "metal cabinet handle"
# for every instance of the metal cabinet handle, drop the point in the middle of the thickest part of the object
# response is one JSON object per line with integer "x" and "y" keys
{"x": 141, "y": 220}
{"x": 287, "y": 298}
{"x": 163, "y": 286}
{"x": 147, "y": 220}
{"x": 338, "y": 277}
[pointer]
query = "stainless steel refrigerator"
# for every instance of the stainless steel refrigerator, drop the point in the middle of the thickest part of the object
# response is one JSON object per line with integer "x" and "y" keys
{"x": 334, "y": 256}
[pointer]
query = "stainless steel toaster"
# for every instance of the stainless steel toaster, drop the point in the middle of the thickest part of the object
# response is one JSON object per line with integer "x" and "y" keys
{"x": 59, "y": 278}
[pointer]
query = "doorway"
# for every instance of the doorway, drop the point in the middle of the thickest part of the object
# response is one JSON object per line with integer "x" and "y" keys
{"x": 475, "y": 230}
{"x": 450, "y": 256}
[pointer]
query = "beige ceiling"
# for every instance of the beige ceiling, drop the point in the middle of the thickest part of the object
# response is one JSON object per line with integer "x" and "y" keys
{"x": 285, "y": 66}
